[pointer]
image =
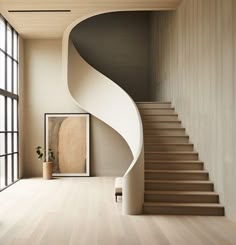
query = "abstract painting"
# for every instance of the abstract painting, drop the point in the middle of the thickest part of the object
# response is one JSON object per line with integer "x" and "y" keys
{"x": 68, "y": 136}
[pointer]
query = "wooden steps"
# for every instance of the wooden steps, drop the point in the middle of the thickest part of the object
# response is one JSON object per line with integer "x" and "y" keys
{"x": 157, "y": 111}
{"x": 168, "y": 147}
{"x": 165, "y": 131}
{"x": 146, "y": 105}
{"x": 171, "y": 155}
{"x": 162, "y": 124}
{"x": 176, "y": 174}
{"x": 165, "y": 139}
{"x": 181, "y": 196}
{"x": 175, "y": 179}
{"x": 173, "y": 165}
{"x": 159, "y": 117}
{"x": 213, "y": 209}
{"x": 179, "y": 185}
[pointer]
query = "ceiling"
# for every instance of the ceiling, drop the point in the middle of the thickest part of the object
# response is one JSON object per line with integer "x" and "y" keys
{"x": 53, "y": 24}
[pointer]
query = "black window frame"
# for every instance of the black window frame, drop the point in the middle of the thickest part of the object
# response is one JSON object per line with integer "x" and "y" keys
{"x": 10, "y": 157}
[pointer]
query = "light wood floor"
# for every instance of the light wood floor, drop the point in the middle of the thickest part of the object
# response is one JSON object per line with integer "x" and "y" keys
{"x": 83, "y": 211}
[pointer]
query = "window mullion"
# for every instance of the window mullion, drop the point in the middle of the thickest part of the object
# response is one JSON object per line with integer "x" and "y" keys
{"x": 6, "y": 104}
{"x": 12, "y": 141}
{"x": 12, "y": 104}
{"x": 6, "y": 140}
{"x": 18, "y": 135}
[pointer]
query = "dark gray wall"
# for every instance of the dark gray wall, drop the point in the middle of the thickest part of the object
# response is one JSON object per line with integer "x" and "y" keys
{"x": 117, "y": 45}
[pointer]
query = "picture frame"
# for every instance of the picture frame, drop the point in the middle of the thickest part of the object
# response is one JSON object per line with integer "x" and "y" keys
{"x": 68, "y": 135}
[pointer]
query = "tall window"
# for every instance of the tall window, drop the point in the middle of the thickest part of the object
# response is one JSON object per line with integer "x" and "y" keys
{"x": 9, "y": 135}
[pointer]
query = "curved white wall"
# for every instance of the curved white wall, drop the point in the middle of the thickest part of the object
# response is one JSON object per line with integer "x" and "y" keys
{"x": 101, "y": 97}
{"x": 98, "y": 95}
{"x": 104, "y": 99}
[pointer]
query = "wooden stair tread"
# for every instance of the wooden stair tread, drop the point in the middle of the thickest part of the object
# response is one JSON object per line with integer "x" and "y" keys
{"x": 169, "y": 144}
{"x": 148, "y": 108}
{"x": 172, "y": 152}
{"x": 165, "y": 128}
{"x": 155, "y": 108}
{"x": 172, "y": 114}
{"x": 172, "y": 161}
{"x": 186, "y": 136}
{"x": 164, "y": 121}
{"x": 147, "y": 134}
{"x": 178, "y": 171}
{"x": 176, "y": 204}
{"x": 179, "y": 181}
{"x": 153, "y": 102}
{"x": 212, "y": 193}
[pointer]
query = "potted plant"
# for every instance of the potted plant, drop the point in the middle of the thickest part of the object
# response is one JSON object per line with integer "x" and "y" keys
{"x": 47, "y": 156}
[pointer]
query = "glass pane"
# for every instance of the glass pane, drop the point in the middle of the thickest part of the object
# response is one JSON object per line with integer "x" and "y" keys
{"x": 9, "y": 74}
{"x": 15, "y": 115}
{"x": 2, "y": 143}
{"x": 2, "y": 172}
{"x": 2, "y": 70}
{"x": 15, "y": 78}
{"x": 15, "y": 142}
{"x": 15, "y": 46}
{"x": 2, "y": 33}
{"x": 9, "y": 143}
{"x": 2, "y": 113}
{"x": 9, "y": 40}
{"x": 9, "y": 114}
{"x": 9, "y": 169}
{"x": 15, "y": 159}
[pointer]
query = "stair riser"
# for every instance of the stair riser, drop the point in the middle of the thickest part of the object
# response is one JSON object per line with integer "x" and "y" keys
{"x": 160, "y": 118}
{"x": 178, "y": 187}
{"x": 166, "y": 140}
{"x": 157, "y": 112}
{"x": 175, "y": 157}
{"x": 178, "y": 132}
{"x": 176, "y": 176}
{"x": 184, "y": 210}
{"x": 173, "y": 166}
{"x": 154, "y": 105}
{"x": 181, "y": 198}
{"x": 154, "y": 147}
{"x": 156, "y": 125}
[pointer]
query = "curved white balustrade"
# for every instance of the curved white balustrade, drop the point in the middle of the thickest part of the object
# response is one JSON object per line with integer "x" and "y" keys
{"x": 98, "y": 95}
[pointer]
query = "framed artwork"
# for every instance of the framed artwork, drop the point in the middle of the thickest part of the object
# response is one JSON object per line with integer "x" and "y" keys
{"x": 68, "y": 135}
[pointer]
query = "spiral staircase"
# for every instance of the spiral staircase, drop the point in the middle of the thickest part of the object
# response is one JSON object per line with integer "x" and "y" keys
{"x": 98, "y": 95}
{"x": 174, "y": 178}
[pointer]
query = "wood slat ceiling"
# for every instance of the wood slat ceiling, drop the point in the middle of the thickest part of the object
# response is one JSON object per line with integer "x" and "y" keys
{"x": 52, "y": 25}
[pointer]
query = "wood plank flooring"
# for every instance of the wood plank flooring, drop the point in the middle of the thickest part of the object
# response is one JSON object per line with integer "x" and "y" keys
{"x": 82, "y": 211}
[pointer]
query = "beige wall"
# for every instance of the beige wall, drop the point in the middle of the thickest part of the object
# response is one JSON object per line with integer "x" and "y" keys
{"x": 117, "y": 45}
{"x": 45, "y": 91}
{"x": 194, "y": 57}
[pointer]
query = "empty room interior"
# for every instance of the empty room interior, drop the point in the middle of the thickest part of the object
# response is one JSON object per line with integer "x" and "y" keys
{"x": 117, "y": 122}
